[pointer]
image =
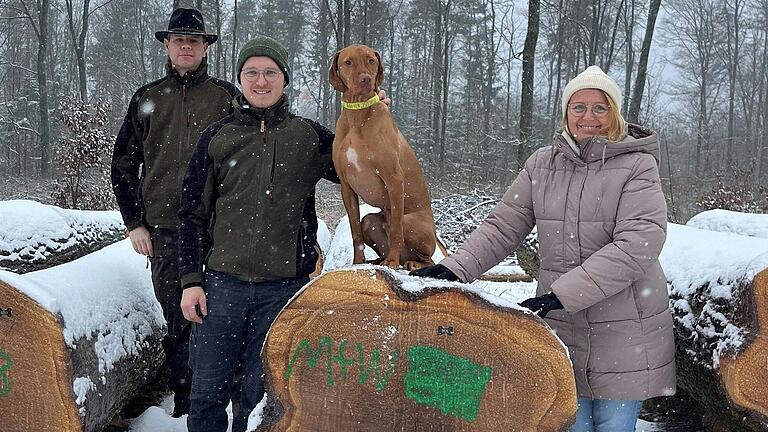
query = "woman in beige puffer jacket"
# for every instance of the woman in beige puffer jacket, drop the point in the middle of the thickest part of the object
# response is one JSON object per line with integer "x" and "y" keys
{"x": 596, "y": 200}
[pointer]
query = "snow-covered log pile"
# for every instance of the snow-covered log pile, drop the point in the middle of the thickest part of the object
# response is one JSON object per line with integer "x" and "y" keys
{"x": 746, "y": 224}
{"x": 35, "y": 236}
{"x": 718, "y": 285}
{"x": 372, "y": 349}
{"x": 76, "y": 341}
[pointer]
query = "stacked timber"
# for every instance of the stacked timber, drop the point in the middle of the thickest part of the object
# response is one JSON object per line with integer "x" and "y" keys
{"x": 77, "y": 341}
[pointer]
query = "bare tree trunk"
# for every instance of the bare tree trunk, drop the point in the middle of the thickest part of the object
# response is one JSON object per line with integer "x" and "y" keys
{"x": 79, "y": 40}
{"x": 40, "y": 27}
{"x": 437, "y": 82}
{"x": 526, "y": 98}
{"x": 629, "y": 27}
{"x": 733, "y": 43}
{"x": 642, "y": 67}
{"x": 219, "y": 46}
{"x": 234, "y": 43}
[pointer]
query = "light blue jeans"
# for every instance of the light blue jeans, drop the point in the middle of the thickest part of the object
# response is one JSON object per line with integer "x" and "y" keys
{"x": 602, "y": 415}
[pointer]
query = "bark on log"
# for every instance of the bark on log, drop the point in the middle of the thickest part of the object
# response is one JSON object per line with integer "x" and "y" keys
{"x": 364, "y": 350}
{"x": 52, "y": 378}
{"x": 718, "y": 286}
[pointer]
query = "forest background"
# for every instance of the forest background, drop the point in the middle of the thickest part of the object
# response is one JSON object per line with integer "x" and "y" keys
{"x": 475, "y": 84}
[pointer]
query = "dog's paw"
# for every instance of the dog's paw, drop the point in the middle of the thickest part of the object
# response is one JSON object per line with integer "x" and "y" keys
{"x": 391, "y": 263}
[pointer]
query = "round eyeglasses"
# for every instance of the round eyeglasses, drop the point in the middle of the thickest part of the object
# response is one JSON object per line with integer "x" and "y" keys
{"x": 598, "y": 109}
{"x": 271, "y": 75}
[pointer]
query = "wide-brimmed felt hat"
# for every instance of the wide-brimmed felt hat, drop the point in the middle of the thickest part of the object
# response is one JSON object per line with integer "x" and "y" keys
{"x": 186, "y": 22}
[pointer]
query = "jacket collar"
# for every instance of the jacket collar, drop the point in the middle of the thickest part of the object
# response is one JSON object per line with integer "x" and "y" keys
{"x": 190, "y": 78}
{"x": 271, "y": 116}
{"x": 637, "y": 139}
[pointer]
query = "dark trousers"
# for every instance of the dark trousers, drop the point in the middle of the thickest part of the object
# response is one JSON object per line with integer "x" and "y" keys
{"x": 167, "y": 284}
{"x": 239, "y": 316}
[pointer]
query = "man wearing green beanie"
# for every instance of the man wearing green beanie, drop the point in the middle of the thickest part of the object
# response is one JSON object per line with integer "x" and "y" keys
{"x": 256, "y": 171}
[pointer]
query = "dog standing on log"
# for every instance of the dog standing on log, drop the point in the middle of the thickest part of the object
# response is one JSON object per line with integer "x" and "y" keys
{"x": 375, "y": 162}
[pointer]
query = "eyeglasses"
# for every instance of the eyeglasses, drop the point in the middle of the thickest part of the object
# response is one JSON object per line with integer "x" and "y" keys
{"x": 271, "y": 75}
{"x": 598, "y": 109}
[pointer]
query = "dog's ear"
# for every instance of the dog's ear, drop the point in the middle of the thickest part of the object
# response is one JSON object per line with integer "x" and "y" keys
{"x": 380, "y": 72}
{"x": 333, "y": 74}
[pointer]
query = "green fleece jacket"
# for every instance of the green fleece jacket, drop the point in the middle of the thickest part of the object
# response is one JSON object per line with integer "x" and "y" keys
{"x": 164, "y": 122}
{"x": 248, "y": 201}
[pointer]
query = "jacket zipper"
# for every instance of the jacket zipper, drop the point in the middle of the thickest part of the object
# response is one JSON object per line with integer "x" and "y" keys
{"x": 274, "y": 158}
{"x": 185, "y": 135}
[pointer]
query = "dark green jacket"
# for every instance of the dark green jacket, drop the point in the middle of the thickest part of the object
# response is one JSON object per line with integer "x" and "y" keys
{"x": 164, "y": 122}
{"x": 249, "y": 195}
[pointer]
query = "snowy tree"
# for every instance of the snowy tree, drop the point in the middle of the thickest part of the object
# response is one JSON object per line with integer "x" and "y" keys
{"x": 82, "y": 159}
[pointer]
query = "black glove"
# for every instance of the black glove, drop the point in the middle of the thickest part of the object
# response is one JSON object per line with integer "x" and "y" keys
{"x": 542, "y": 305}
{"x": 437, "y": 271}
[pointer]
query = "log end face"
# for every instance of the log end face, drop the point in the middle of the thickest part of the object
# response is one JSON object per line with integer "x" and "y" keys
{"x": 745, "y": 374}
{"x": 353, "y": 352}
{"x": 35, "y": 376}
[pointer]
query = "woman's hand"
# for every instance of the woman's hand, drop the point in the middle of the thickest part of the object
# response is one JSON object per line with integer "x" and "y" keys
{"x": 437, "y": 271}
{"x": 542, "y": 305}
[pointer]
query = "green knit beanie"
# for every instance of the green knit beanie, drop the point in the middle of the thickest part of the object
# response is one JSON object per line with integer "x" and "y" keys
{"x": 267, "y": 47}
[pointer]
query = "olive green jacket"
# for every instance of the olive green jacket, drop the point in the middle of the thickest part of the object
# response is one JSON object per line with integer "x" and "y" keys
{"x": 248, "y": 200}
{"x": 164, "y": 122}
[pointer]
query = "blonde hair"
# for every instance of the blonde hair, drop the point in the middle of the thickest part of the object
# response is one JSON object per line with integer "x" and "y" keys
{"x": 616, "y": 126}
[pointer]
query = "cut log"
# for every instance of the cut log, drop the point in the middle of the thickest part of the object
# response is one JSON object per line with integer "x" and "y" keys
{"x": 373, "y": 350}
{"x": 718, "y": 284}
{"x": 718, "y": 287}
{"x": 36, "y": 236}
{"x": 77, "y": 341}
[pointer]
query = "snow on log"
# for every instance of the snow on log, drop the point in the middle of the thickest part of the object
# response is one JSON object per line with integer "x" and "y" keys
{"x": 76, "y": 341}
{"x": 370, "y": 349}
{"x": 718, "y": 287}
{"x": 747, "y": 224}
{"x": 35, "y": 236}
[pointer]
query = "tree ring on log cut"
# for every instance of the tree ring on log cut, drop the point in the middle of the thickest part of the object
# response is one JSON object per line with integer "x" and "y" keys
{"x": 745, "y": 376}
{"x": 354, "y": 351}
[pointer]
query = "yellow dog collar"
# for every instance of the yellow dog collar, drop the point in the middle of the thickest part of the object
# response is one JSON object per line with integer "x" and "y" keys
{"x": 361, "y": 105}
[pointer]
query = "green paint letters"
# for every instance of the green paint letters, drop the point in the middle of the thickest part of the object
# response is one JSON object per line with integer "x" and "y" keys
{"x": 330, "y": 357}
{"x": 5, "y": 365}
{"x": 452, "y": 384}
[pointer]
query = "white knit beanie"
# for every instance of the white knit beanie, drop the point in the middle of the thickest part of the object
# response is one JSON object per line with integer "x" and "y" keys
{"x": 593, "y": 78}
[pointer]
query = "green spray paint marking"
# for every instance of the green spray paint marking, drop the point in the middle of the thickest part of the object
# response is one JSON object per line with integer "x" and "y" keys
{"x": 5, "y": 365}
{"x": 454, "y": 385}
{"x": 325, "y": 349}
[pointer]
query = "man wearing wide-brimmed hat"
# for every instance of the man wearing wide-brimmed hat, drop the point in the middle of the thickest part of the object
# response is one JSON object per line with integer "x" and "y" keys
{"x": 164, "y": 122}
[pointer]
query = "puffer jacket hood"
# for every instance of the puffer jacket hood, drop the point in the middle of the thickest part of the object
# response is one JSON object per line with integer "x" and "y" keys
{"x": 637, "y": 139}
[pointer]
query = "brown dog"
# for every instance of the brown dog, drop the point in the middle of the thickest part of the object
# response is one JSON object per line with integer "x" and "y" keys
{"x": 375, "y": 163}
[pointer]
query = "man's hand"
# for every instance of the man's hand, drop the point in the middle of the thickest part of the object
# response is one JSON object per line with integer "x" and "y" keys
{"x": 141, "y": 241}
{"x": 542, "y": 305}
{"x": 383, "y": 97}
{"x": 192, "y": 298}
{"x": 437, "y": 271}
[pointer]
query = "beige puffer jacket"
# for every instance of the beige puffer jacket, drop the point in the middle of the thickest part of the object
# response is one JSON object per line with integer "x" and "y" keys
{"x": 601, "y": 220}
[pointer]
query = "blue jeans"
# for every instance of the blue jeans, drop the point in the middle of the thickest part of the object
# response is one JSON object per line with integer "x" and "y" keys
{"x": 239, "y": 316}
{"x": 602, "y": 415}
